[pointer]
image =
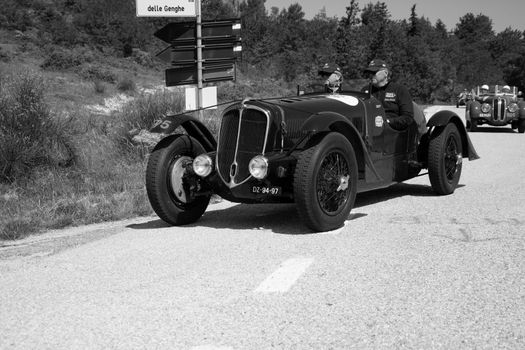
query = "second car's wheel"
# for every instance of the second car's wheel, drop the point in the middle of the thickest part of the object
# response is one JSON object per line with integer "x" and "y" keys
{"x": 445, "y": 160}
{"x": 473, "y": 125}
{"x": 521, "y": 126}
{"x": 325, "y": 183}
{"x": 171, "y": 186}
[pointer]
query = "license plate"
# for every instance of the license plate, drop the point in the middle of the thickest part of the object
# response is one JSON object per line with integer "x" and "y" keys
{"x": 269, "y": 190}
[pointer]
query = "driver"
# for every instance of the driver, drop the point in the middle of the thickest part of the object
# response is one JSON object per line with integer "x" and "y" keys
{"x": 332, "y": 76}
{"x": 506, "y": 89}
{"x": 395, "y": 98}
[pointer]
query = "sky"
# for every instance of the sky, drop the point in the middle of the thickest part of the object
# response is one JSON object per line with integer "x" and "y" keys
{"x": 503, "y": 13}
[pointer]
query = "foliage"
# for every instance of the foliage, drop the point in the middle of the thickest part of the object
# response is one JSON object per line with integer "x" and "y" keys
{"x": 284, "y": 45}
{"x": 30, "y": 135}
{"x": 126, "y": 84}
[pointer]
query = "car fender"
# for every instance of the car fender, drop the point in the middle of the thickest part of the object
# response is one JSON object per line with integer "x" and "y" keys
{"x": 333, "y": 122}
{"x": 472, "y": 110}
{"x": 437, "y": 123}
{"x": 193, "y": 127}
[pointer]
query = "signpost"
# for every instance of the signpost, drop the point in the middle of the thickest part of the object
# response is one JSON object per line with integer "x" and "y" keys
{"x": 200, "y": 51}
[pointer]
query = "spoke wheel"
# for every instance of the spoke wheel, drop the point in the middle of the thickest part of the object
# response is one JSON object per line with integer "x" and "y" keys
{"x": 452, "y": 157}
{"x": 325, "y": 183}
{"x": 333, "y": 183}
{"x": 445, "y": 160}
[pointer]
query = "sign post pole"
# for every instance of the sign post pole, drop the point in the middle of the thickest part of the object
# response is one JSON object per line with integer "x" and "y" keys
{"x": 199, "y": 58}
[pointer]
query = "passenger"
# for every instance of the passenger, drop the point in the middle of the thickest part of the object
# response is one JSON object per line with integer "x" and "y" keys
{"x": 395, "y": 98}
{"x": 332, "y": 76}
{"x": 462, "y": 98}
{"x": 484, "y": 91}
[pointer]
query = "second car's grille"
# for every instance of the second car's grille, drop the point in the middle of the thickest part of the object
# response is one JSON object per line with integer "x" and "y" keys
{"x": 499, "y": 106}
{"x": 242, "y": 137}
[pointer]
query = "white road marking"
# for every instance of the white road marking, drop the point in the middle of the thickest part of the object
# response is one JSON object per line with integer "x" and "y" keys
{"x": 39, "y": 254}
{"x": 282, "y": 279}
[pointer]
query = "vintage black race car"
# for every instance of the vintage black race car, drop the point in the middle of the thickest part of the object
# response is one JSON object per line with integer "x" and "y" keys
{"x": 317, "y": 150}
{"x": 497, "y": 107}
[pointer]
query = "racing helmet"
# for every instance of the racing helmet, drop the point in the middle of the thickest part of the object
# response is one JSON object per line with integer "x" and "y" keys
{"x": 484, "y": 87}
{"x": 506, "y": 88}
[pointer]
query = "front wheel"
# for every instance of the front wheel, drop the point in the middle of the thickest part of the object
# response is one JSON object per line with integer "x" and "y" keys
{"x": 473, "y": 125}
{"x": 325, "y": 183}
{"x": 445, "y": 160}
{"x": 521, "y": 126}
{"x": 173, "y": 190}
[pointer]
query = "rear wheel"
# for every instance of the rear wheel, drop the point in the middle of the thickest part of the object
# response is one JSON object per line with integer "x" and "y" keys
{"x": 445, "y": 160}
{"x": 173, "y": 189}
{"x": 325, "y": 183}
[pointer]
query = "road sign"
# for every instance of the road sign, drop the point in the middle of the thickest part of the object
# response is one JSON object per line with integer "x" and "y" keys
{"x": 178, "y": 32}
{"x": 218, "y": 52}
{"x": 166, "y": 8}
{"x": 209, "y": 98}
{"x": 188, "y": 75}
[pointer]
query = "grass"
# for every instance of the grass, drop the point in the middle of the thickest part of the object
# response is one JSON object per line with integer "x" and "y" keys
{"x": 64, "y": 164}
{"x": 71, "y": 166}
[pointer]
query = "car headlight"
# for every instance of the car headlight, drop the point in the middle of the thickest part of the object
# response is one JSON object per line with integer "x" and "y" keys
{"x": 258, "y": 167}
{"x": 513, "y": 107}
{"x": 203, "y": 165}
{"x": 485, "y": 108}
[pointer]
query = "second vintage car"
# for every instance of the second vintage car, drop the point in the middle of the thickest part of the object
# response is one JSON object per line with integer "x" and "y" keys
{"x": 316, "y": 150}
{"x": 499, "y": 106}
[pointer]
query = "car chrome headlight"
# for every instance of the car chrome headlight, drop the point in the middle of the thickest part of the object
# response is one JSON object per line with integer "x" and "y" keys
{"x": 258, "y": 167}
{"x": 203, "y": 165}
{"x": 485, "y": 108}
{"x": 513, "y": 107}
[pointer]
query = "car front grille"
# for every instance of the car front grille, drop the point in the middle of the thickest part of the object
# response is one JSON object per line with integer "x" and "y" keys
{"x": 499, "y": 106}
{"x": 242, "y": 136}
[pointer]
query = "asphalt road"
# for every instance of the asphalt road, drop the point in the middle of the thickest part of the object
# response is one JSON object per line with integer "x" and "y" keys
{"x": 410, "y": 270}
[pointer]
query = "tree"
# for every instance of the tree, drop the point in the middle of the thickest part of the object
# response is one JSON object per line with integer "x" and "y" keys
{"x": 475, "y": 63}
{"x": 254, "y": 31}
{"x": 375, "y": 19}
{"x": 348, "y": 45}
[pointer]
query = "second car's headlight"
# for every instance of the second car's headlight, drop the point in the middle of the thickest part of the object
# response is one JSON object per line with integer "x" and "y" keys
{"x": 258, "y": 167}
{"x": 513, "y": 107}
{"x": 485, "y": 108}
{"x": 203, "y": 165}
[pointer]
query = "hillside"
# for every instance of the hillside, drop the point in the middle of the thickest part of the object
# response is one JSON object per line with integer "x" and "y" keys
{"x": 68, "y": 115}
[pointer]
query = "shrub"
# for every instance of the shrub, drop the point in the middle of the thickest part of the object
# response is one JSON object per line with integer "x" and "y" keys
{"x": 126, "y": 84}
{"x": 99, "y": 86}
{"x": 30, "y": 136}
{"x": 145, "y": 110}
{"x": 60, "y": 60}
{"x": 94, "y": 72}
